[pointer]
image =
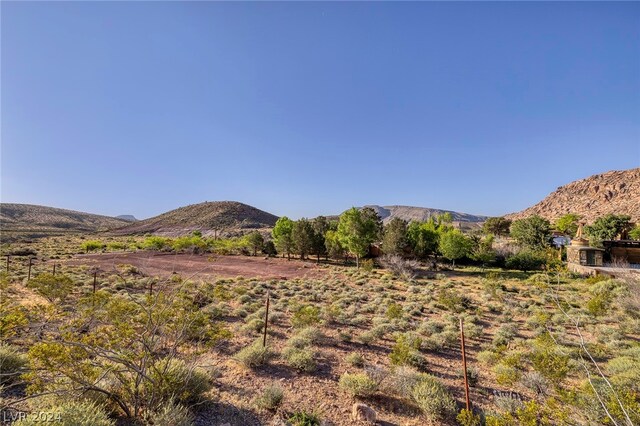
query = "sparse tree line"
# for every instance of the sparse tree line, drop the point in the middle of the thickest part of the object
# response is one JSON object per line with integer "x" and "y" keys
{"x": 356, "y": 231}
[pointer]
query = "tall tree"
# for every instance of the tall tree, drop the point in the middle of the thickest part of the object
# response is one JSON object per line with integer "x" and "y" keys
{"x": 333, "y": 244}
{"x": 498, "y": 226}
{"x": 394, "y": 240}
{"x": 454, "y": 245}
{"x": 568, "y": 224}
{"x": 423, "y": 238}
{"x": 282, "y": 236}
{"x": 608, "y": 227}
{"x": 533, "y": 232}
{"x": 256, "y": 241}
{"x": 320, "y": 227}
{"x": 302, "y": 236}
{"x": 357, "y": 230}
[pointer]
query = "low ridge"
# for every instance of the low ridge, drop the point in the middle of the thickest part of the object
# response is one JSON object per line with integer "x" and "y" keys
{"x": 30, "y": 221}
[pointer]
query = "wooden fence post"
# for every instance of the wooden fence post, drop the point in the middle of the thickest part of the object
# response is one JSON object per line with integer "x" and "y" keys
{"x": 54, "y": 268}
{"x": 29, "y": 273}
{"x": 8, "y": 263}
{"x": 95, "y": 277}
{"x": 464, "y": 367}
{"x": 266, "y": 322}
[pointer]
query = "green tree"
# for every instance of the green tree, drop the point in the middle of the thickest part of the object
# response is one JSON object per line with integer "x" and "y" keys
{"x": 454, "y": 245}
{"x": 357, "y": 230}
{"x": 256, "y": 241}
{"x": 282, "y": 236}
{"x": 607, "y": 228}
{"x": 533, "y": 232}
{"x": 634, "y": 234}
{"x": 302, "y": 236}
{"x": 394, "y": 240}
{"x": 498, "y": 226}
{"x": 568, "y": 224}
{"x": 333, "y": 244}
{"x": 483, "y": 251}
{"x": 92, "y": 245}
{"x": 423, "y": 238}
{"x": 320, "y": 227}
{"x": 526, "y": 260}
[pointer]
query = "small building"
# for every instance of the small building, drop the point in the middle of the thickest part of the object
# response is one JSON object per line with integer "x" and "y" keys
{"x": 623, "y": 250}
{"x": 580, "y": 254}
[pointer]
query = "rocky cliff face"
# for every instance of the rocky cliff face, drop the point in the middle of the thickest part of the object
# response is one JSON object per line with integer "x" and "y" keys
{"x": 616, "y": 192}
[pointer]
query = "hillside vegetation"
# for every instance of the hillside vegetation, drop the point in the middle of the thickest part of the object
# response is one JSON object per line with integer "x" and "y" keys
{"x": 29, "y": 220}
{"x": 210, "y": 218}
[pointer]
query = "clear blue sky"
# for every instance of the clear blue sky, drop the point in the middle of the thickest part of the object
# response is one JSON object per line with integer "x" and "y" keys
{"x": 303, "y": 109}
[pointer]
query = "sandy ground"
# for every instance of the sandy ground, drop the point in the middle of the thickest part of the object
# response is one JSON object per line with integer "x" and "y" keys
{"x": 165, "y": 264}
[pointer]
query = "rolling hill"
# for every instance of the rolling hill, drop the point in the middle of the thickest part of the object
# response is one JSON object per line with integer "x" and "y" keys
{"x": 221, "y": 218}
{"x": 616, "y": 192}
{"x": 421, "y": 214}
{"x": 30, "y": 221}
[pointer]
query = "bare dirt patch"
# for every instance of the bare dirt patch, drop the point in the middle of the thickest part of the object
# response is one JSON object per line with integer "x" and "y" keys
{"x": 165, "y": 264}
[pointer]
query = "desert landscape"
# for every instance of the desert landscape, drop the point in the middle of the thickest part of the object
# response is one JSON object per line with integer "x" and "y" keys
{"x": 319, "y": 213}
{"x": 165, "y": 320}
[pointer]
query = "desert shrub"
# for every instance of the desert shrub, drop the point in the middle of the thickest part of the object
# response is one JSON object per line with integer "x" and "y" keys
{"x": 504, "y": 335}
{"x": 367, "y": 338}
{"x": 394, "y": 311}
{"x": 172, "y": 379}
{"x": 536, "y": 382}
{"x": 508, "y": 402}
{"x": 171, "y": 414}
{"x": 401, "y": 381}
{"x": 488, "y": 357}
{"x": 468, "y": 418}
{"x": 367, "y": 265}
{"x": 54, "y": 288}
{"x": 92, "y": 245}
{"x": 506, "y": 374}
{"x": 454, "y": 301}
{"x": 300, "y": 359}
{"x": 433, "y": 399}
{"x": 305, "y": 337}
{"x": 305, "y": 316}
{"x": 271, "y": 397}
{"x": 12, "y": 363}
{"x": 355, "y": 359}
{"x": 72, "y": 413}
{"x": 304, "y": 418}
{"x": 406, "y": 351}
{"x": 358, "y": 384}
{"x": 116, "y": 245}
{"x": 526, "y": 260}
{"x": 255, "y": 325}
{"x": 400, "y": 267}
{"x": 254, "y": 355}
{"x": 548, "y": 360}
{"x": 156, "y": 243}
{"x": 472, "y": 375}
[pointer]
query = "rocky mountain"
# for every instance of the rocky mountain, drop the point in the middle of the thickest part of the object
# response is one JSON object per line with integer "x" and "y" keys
{"x": 28, "y": 220}
{"x": 421, "y": 214}
{"x": 127, "y": 217}
{"x": 616, "y": 192}
{"x": 220, "y": 218}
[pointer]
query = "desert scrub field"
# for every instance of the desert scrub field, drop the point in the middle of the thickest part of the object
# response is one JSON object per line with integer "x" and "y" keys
{"x": 189, "y": 349}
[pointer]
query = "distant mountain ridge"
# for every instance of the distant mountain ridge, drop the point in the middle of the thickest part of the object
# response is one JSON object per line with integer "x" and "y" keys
{"x": 30, "y": 220}
{"x": 421, "y": 214}
{"x": 127, "y": 217}
{"x": 616, "y": 192}
{"x": 220, "y": 218}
